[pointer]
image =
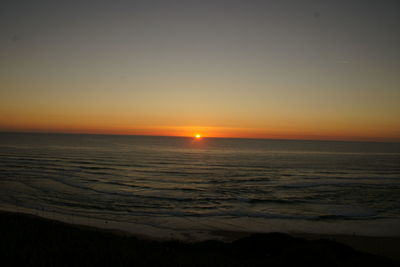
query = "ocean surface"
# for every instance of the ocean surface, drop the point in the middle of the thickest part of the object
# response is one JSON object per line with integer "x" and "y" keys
{"x": 177, "y": 187}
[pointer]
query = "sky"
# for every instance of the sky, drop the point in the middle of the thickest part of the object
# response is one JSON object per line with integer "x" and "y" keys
{"x": 256, "y": 69}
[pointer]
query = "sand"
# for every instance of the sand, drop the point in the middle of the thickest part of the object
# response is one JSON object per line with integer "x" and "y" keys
{"x": 35, "y": 241}
{"x": 377, "y": 245}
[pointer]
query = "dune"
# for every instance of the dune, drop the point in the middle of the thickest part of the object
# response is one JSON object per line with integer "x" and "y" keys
{"x": 28, "y": 240}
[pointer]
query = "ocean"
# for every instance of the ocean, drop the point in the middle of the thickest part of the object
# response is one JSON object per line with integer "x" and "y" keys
{"x": 179, "y": 187}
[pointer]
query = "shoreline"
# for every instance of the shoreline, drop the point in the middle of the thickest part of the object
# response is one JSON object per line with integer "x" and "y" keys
{"x": 194, "y": 229}
{"x": 379, "y": 248}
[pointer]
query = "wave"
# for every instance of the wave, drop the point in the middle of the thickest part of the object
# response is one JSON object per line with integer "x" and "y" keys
{"x": 233, "y": 179}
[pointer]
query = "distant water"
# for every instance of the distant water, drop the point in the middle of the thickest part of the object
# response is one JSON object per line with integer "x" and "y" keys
{"x": 181, "y": 184}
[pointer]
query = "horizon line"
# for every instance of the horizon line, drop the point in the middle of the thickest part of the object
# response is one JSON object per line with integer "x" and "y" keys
{"x": 204, "y": 137}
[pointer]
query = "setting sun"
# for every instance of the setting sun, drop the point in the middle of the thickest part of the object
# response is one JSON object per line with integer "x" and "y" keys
{"x": 198, "y": 136}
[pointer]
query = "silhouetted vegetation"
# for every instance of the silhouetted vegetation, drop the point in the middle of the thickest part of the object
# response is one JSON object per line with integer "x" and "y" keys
{"x": 31, "y": 241}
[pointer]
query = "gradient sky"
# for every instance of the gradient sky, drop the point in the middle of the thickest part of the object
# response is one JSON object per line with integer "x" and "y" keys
{"x": 265, "y": 69}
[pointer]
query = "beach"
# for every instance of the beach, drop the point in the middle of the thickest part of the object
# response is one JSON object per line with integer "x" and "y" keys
{"x": 136, "y": 200}
{"x": 35, "y": 241}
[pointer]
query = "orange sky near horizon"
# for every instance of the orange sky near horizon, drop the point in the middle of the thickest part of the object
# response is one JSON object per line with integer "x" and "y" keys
{"x": 163, "y": 108}
{"x": 275, "y": 130}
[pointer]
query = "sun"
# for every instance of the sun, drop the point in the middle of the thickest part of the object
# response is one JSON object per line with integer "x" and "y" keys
{"x": 197, "y": 136}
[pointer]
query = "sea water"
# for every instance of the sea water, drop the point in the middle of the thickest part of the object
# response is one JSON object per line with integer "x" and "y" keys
{"x": 185, "y": 185}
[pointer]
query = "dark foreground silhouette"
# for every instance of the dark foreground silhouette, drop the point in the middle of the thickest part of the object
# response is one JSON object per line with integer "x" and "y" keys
{"x": 32, "y": 241}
